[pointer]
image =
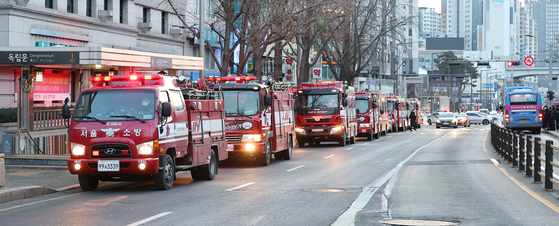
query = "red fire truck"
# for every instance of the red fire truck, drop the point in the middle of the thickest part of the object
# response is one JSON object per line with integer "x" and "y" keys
{"x": 258, "y": 118}
{"x": 385, "y": 119}
{"x": 367, "y": 116}
{"x": 142, "y": 127}
{"x": 325, "y": 112}
{"x": 397, "y": 108}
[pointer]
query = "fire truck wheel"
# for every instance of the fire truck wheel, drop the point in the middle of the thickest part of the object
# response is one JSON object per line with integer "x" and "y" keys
{"x": 208, "y": 172}
{"x": 88, "y": 182}
{"x": 164, "y": 178}
{"x": 266, "y": 157}
{"x": 343, "y": 139}
{"x": 301, "y": 143}
{"x": 195, "y": 173}
{"x": 288, "y": 153}
{"x": 352, "y": 139}
{"x": 370, "y": 137}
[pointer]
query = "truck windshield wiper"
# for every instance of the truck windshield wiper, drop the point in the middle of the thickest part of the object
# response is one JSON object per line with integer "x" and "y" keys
{"x": 128, "y": 116}
{"x": 239, "y": 115}
{"x": 89, "y": 117}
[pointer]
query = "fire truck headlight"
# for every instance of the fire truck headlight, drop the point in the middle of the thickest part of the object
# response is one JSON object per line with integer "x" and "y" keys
{"x": 251, "y": 137}
{"x": 336, "y": 129}
{"x": 145, "y": 148}
{"x": 300, "y": 130}
{"x": 364, "y": 124}
{"x": 249, "y": 147}
{"x": 78, "y": 149}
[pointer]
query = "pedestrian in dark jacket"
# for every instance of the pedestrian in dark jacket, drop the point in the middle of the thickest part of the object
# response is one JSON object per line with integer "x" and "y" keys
{"x": 547, "y": 115}
{"x": 552, "y": 118}
{"x": 413, "y": 119}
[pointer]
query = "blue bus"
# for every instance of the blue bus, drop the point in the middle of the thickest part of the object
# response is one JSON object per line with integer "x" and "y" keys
{"x": 523, "y": 109}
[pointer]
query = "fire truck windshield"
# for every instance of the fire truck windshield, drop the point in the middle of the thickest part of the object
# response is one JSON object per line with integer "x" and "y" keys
{"x": 112, "y": 105}
{"x": 361, "y": 106}
{"x": 319, "y": 104}
{"x": 241, "y": 102}
{"x": 391, "y": 105}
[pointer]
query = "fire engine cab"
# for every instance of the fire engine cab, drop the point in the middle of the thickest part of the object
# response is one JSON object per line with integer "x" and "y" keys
{"x": 142, "y": 127}
{"x": 325, "y": 112}
{"x": 397, "y": 108}
{"x": 258, "y": 118}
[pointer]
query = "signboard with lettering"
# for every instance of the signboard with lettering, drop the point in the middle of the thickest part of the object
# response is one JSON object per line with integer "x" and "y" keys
{"x": 160, "y": 62}
{"x": 53, "y": 83}
{"x": 38, "y": 58}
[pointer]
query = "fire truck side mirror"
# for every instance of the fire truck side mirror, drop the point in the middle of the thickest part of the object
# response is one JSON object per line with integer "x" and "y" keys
{"x": 344, "y": 102}
{"x": 374, "y": 105}
{"x": 66, "y": 109}
{"x": 381, "y": 111}
{"x": 408, "y": 106}
{"x": 166, "y": 109}
{"x": 268, "y": 100}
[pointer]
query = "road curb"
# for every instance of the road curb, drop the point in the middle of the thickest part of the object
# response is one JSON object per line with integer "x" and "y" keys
{"x": 550, "y": 133}
{"x": 11, "y": 194}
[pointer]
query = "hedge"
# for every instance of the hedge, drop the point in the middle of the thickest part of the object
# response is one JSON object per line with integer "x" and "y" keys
{"x": 8, "y": 115}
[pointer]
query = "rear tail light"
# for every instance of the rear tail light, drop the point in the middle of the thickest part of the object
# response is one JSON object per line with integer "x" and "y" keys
{"x": 507, "y": 116}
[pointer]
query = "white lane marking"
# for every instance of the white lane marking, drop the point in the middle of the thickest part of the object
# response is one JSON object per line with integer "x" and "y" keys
{"x": 150, "y": 219}
{"x": 330, "y": 156}
{"x": 289, "y": 170}
{"x": 364, "y": 144}
{"x": 347, "y": 149}
{"x": 241, "y": 186}
{"x": 348, "y": 217}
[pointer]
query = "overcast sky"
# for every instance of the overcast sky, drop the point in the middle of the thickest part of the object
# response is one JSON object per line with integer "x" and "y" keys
{"x": 431, "y": 4}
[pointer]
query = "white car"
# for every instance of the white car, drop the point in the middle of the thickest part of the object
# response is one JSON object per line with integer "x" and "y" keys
{"x": 478, "y": 118}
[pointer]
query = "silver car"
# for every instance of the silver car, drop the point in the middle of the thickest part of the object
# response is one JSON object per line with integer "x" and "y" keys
{"x": 478, "y": 118}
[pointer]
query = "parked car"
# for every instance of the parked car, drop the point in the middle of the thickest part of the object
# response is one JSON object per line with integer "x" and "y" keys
{"x": 478, "y": 118}
{"x": 447, "y": 119}
{"x": 431, "y": 118}
{"x": 484, "y": 112}
{"x": 463, "y": 119}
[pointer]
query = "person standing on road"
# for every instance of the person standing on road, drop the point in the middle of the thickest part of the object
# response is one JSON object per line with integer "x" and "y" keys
{"x": 546, "y": 117}
{"x": 552, "y": 118}
{"x": 413, "y": 119}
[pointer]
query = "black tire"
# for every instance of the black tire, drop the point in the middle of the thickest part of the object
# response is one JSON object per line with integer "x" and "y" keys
{"x": 455, "y": 127}
{"x": 342, "y": 141}
{"x": 165, "y": 177}
{"x": 352, "y": 139}
{"x": 88, "y": 182}
{"x": 419, "y": 126}
{"x": 438, "y": 127}
{"x": 316, "y": 143}
{"x": 538, "y": 131}
{"x": 300, "y": 143}
{"x": 370, "y": 137}
{"x": 195, "y": 174}
{"x": 485, "y": 122}
{"x": 209, "y": 171}
{"x": 429, "y": 121}
{"x": 288, "y": 153}
{"x": 266, "y": 158}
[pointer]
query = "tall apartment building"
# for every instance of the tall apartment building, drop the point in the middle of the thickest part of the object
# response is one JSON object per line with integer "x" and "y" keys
{"x": 499, "y": 29}
{"x": 527, "y": 26}
{"x": 460, "y": 18}
{"x": 429, "y": 22}
{"x": 546, "y": 14}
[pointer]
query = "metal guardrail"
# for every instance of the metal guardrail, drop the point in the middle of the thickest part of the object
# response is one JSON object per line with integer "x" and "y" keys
{"x": 525, "y": 153}
{"x": 48, "y": 119}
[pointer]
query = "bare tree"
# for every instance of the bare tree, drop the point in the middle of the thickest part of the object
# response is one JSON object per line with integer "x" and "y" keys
{"x": 361, "y": 35}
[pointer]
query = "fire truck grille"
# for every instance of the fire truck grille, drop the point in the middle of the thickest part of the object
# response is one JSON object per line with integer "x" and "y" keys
{"x": 112, "y": 151}
{"x": 233, "y": 138}
{"x": 322, "y": 120}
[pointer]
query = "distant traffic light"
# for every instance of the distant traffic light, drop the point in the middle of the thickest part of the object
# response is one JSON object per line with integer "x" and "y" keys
{"x": 550, "y": 95}
{"x": 513, "y": 63}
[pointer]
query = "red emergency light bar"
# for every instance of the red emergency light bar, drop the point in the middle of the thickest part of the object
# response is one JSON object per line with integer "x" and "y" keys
{"x": 231, "y": 79}
{"x": 109, "y": 78}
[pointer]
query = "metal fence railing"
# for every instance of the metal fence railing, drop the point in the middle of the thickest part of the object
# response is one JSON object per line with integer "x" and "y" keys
{"x": 525, "y": 153}
{"x": 48, "y": 119}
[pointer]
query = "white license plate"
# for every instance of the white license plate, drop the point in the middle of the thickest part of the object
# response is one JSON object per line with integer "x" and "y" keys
{"x": 230, "y": 147}
{"x": 317, "y": 130}
{"x": 363, "y": 130}
{"x": 108, "y": 166}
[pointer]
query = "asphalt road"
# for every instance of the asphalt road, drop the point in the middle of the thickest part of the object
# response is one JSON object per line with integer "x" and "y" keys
{"x": 452, "y": 175}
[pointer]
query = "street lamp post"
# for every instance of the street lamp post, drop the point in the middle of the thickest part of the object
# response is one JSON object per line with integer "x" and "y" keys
{"x": 550, "y": 62}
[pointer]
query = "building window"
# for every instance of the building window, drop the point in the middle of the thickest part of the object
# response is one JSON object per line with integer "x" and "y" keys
{"x": 88, "y": 4}
{"x": 70, "y": 6}
{"x": 49, "y": 4}
{"x": 121, "y": 11}
{"x": 145, "y": 15}
{"x": 106, "y": 5}
{"x": 163, "y": 22}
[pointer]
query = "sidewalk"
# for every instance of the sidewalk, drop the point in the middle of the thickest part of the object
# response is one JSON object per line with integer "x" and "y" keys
{"x": 552, "y": 133}
{"x": 32, "y": 177}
